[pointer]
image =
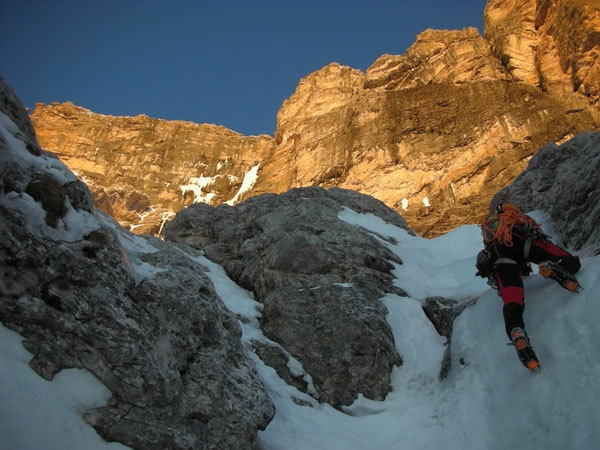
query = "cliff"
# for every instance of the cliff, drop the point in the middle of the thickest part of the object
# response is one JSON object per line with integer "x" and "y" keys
{"x": 433, "y": 133}
{"x": 142, "y": 170}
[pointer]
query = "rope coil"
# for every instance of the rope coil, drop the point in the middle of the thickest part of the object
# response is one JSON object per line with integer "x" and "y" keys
{"x": 499, "y": 227}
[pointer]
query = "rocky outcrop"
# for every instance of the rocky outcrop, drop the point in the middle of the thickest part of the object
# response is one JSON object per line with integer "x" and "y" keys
{"x": 12, "y": 107}
{"x": 564, "y": 182}
{"x": 437, "y": 56}
{"x": 510, "y": 28}
{"x": 319, "y": 278}
{"x": 140, "y": 315}
{"x": 434, "y": 133}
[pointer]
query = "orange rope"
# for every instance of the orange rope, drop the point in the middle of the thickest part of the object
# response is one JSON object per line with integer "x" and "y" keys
{"x": 507, "y": 219}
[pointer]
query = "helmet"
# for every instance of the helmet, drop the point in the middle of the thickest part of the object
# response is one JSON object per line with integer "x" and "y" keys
{"x": 506, "y": 206}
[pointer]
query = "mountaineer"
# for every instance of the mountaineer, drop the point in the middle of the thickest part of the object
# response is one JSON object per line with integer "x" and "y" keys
{"x": 512, "y": 240}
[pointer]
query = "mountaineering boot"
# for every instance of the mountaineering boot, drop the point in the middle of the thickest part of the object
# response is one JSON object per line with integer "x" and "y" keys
{"x": 551, "y": 269}
{"x": 526, "y": 354}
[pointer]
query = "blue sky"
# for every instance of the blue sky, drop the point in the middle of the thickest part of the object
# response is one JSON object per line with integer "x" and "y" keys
{"x": 227, "y": 62}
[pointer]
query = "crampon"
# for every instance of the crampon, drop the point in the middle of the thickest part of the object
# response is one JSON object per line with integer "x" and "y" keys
{"x": 525, "y": 353}
{"x": 553, "y": 270}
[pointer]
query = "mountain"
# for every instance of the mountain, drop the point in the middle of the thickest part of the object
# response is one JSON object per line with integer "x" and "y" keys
{"x": 433, "y": 133}
{"x": 314, "y": 319}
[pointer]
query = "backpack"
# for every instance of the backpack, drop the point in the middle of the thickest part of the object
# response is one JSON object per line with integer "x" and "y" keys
{"x": 499, "y": 227}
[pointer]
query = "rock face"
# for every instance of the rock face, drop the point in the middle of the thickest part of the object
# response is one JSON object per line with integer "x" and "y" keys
{"x": 142, "y": 170}
{"x": 163, "y": 343}
{"x": 553, "y": 44}
{"x": 319, "y": 278}
{"x": 434, "y": 133}
{"x": 564, "y": 181}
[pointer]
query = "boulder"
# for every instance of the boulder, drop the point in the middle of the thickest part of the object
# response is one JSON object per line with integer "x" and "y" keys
{"x": 319, "y": 278}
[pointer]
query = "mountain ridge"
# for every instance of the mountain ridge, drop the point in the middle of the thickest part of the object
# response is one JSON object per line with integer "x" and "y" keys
{"x": 433, "y": 133}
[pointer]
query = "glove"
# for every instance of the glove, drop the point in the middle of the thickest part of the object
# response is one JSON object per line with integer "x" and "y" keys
{"x": 484, "y": 264}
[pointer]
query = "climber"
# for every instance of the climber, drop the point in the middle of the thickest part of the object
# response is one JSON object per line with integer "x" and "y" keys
{"x": 512, "y": 240}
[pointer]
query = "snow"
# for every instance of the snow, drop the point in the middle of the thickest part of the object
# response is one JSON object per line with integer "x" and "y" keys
{"x": 404, "y": 203}
{"x": 70, "y": 228}
{"x": 39, "y": 414}
{"x": 249, "y": 179}
{"x": 197, "y": 186}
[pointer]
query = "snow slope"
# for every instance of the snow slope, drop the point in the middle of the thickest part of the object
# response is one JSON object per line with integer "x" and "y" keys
{"x": 489, "y": 401}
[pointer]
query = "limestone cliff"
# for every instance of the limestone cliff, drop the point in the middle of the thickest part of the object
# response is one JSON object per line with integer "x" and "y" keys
{"x": 433, "y": 133}
{"x": 142, "y": 170}
{"x": 548, "y": 43}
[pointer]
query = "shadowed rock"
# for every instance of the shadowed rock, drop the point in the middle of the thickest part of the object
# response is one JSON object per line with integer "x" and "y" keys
{"x": 320, "y": 280}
